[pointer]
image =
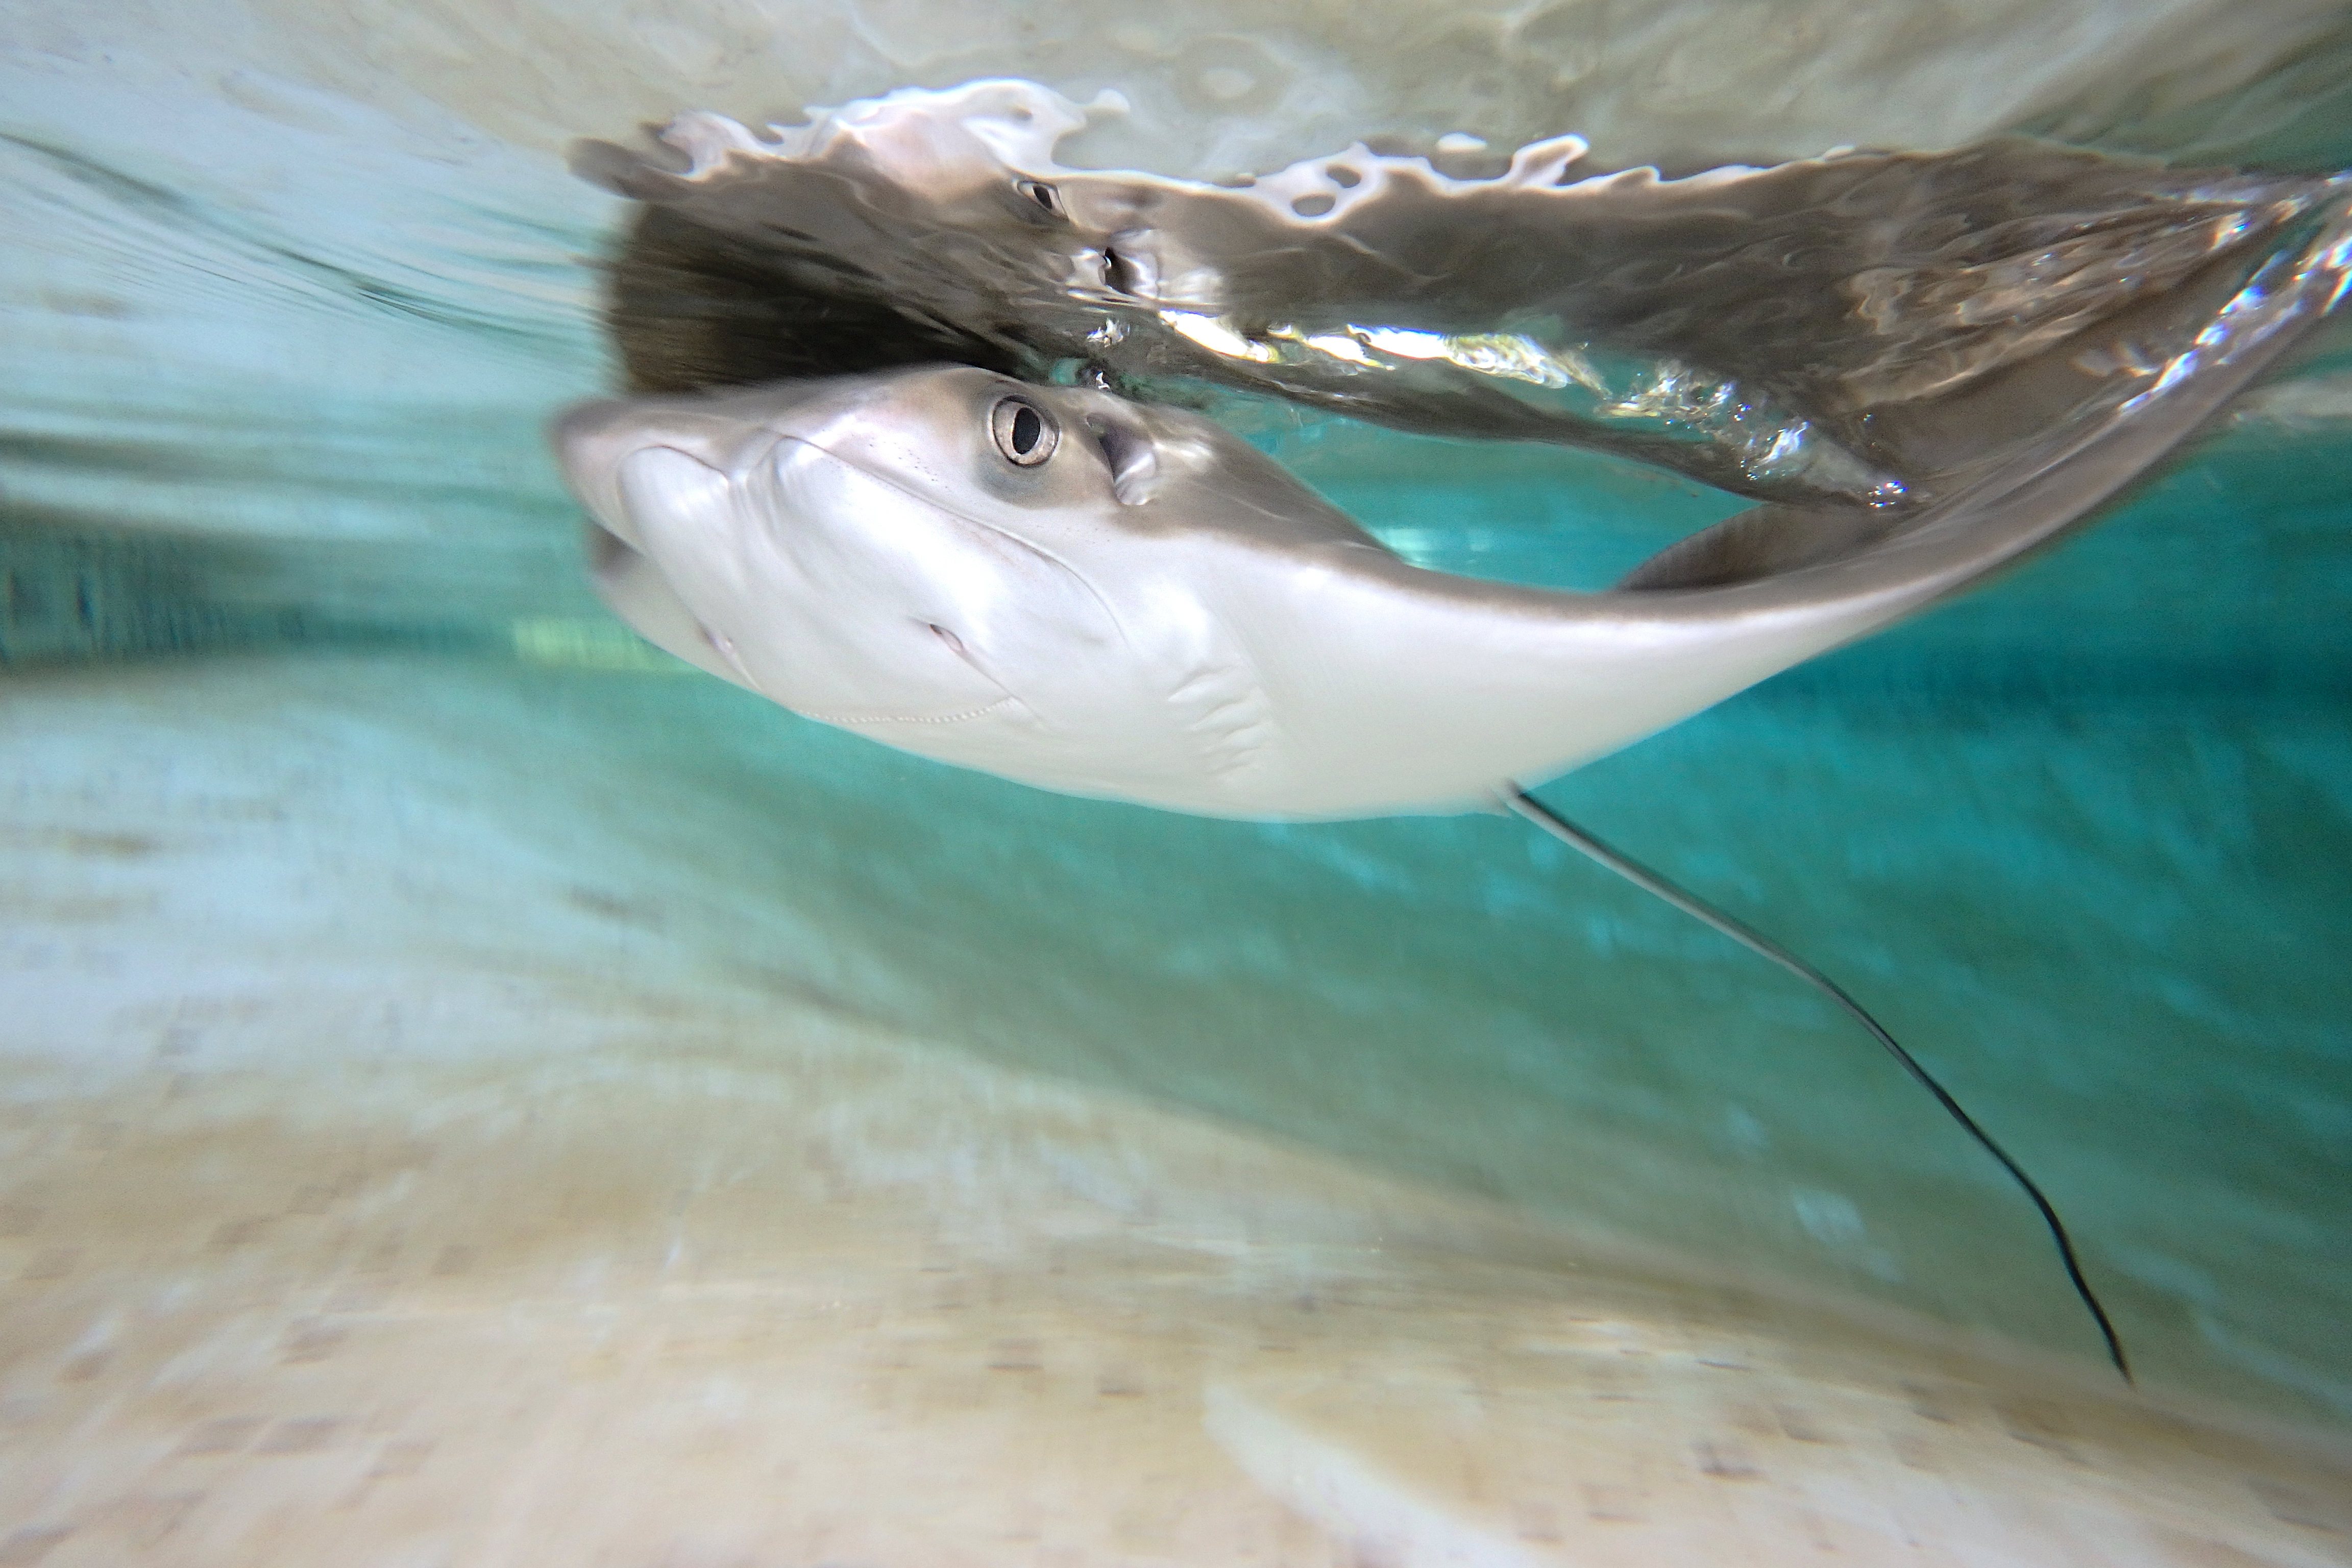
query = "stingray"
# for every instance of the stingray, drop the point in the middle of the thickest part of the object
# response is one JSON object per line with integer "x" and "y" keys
{"x": 980, "y": 536}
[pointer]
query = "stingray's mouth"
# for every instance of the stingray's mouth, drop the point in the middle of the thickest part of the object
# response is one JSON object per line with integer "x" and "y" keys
{"x": 855, "y": 720}
{"x": 608, "y": 552}
{"x": 637, "y": 589}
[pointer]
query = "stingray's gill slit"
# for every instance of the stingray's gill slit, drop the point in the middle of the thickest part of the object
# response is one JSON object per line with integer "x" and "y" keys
{"x": 1522, "y": 804}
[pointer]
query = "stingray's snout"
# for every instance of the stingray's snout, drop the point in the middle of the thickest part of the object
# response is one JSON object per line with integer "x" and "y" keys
{"x": 580, "y": 430}
{"x": 597, "y": 444}
{"x": 591, "y": 441}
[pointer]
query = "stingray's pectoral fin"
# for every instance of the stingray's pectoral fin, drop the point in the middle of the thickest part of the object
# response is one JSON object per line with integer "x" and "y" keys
{"x": 1763, "y": 541}
{"x": 2016, "y": 458}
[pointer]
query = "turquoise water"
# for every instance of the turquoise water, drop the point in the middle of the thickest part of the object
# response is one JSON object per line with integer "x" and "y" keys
{"x": 277, "y": 370}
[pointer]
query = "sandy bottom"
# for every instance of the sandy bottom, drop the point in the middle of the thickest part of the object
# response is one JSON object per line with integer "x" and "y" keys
{"x": 370, "y": 1193}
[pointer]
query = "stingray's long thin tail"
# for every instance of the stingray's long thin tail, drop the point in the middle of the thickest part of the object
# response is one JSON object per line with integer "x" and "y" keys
{"x": 1649, "y": 882}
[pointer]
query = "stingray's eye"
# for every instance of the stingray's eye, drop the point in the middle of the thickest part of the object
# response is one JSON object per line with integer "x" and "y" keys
{"x": 1044, "y": 195}
{"x": 1024, "y": 433}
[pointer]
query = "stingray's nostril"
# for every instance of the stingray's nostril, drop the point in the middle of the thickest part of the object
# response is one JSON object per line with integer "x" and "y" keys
{"x": 955, "y": 643}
